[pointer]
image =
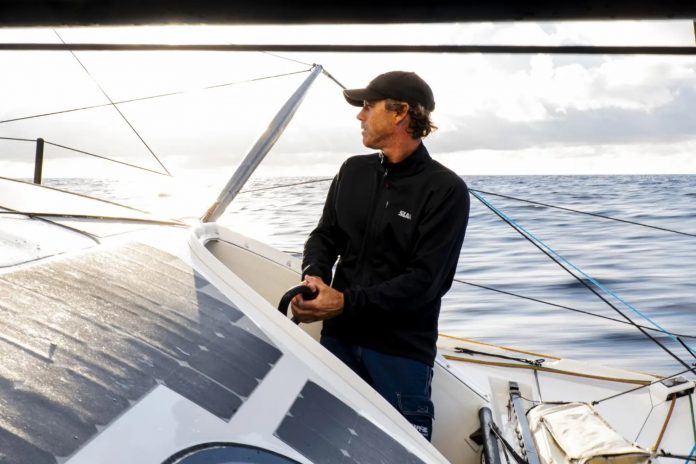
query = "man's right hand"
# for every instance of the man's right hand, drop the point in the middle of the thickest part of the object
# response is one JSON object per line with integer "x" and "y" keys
{"x": 327, "y": 304}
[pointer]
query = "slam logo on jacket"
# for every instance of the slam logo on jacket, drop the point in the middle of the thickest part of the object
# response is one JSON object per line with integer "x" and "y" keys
{"x": 405, "y": 215}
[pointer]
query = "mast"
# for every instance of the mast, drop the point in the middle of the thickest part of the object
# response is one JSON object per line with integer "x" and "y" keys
{"x": 260, "y": 149}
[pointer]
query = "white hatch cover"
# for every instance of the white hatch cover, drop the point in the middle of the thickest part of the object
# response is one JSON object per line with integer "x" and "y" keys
{"x": 574, "y": 433}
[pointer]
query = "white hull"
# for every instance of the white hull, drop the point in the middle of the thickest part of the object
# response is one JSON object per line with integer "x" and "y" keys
{"x": 463, "y": 383}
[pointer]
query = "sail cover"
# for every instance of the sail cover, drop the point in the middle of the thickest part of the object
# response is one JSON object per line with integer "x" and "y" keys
{"x": 575, "y": 433}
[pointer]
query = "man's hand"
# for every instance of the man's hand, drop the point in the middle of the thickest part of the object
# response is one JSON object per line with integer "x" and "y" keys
{"x": 328, "y": 303}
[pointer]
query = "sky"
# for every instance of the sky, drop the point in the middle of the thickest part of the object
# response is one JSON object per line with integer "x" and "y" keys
{"x": 497, "y": 114}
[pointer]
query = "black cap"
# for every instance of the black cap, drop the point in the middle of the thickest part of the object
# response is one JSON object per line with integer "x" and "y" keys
{"x": 399, "y": 85}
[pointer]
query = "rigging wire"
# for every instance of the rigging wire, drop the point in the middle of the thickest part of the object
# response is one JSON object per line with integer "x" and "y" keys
{"x": 112, "y": 103}
{"x": 585, "y": 212}
{"x": 151, "y": 97}
{"x": 55, "y": 223}
{"x": 286, "y": 185}
{"x": 505, "y": 453}
{"x": 17, "y": 140}
{"x": 677, "y": 335}
{"x": 115, "y": 107}
{"x": 691, "y": 457}
{"x": 330, "y": 76}
{"x": 641, "y": 386}
{"x": 686, "y": 347}
{"x": 86, "y": 153}
{"x": 42, "y": 215}
{"x": 172, "y": 222}
{"x": 511, "y": 198}
{"x": 539, "y": 244}
{"x": 548, "y": 251}
{"x": 104, "y": 158}
{"x": 556, "y": 305}
{"x": 216, "y": 86}
{"x": 519, "y": 459}
{"x": 286, "y": 58}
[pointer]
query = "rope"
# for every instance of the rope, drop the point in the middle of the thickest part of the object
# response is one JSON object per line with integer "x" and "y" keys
{"x": 586, "y": 213}
{"x": 115, "y": 107}
{"x": 664, "y": 426}
{"x": 151, "y": 97}
{"x": 557, "y": 258}
{"x": 536, "y": 300}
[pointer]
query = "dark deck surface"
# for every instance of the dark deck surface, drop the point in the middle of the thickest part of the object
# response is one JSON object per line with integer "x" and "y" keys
{"x": 328, "y": 431}
{"x": 84, "y": 338}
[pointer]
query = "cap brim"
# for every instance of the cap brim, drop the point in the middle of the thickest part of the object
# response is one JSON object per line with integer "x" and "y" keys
{"x": 356, "y": 97}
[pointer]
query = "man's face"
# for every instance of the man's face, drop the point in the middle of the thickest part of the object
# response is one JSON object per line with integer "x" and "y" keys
{"x": 377, "y": 124}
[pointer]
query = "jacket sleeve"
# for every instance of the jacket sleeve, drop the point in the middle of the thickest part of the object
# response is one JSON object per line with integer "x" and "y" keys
{"x": 429, "y": 273}
{"x": 324, "y": 243}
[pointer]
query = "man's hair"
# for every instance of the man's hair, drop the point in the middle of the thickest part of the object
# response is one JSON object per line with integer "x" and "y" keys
{"x": 420, "y": 124}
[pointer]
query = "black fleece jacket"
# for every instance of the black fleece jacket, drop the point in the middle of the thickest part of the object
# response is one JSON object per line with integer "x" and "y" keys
{"x": 398, "y": 229}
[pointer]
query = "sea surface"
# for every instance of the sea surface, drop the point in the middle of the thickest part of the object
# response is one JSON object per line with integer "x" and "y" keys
{"x": 651, "y": 270}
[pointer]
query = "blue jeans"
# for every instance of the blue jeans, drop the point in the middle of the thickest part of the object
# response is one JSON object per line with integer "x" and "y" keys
{"x": 404, "y": 382}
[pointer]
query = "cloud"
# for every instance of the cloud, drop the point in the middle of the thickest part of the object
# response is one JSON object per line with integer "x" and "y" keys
{"x": 673, "y": 158}
{"x": 668, "y": 123}
{"x": 542, "y": 87}
{"x": 568, "y": 105}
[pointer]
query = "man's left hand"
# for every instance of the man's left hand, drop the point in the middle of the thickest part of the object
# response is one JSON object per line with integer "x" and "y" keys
{"x": 328, "y": 303}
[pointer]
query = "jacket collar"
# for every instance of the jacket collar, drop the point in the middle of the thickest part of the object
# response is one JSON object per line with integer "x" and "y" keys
{"x": 414, "y": 163}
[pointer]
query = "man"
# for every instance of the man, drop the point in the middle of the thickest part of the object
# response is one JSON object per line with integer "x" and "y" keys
{"x": 396, "y": 220}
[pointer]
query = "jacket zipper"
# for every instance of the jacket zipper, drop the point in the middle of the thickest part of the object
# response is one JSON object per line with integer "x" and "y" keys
{"x": 376, "y": 215}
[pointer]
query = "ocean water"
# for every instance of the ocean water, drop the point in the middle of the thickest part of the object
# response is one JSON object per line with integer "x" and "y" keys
{"x": 653, "y": 271}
